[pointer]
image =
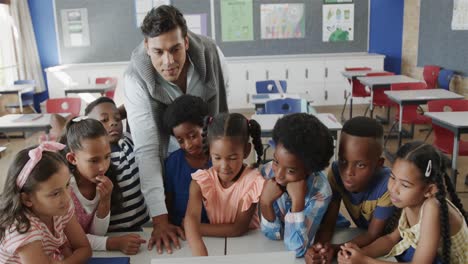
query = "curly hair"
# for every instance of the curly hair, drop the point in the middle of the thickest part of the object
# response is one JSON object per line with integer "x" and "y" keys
{"x": 420, "y": 154}
{"x": 97, "y": 102}
{"x": 163, "y": 19}
{"x": 185, "y": 108}
{"x": 306, "y": 137}
{"x": 232, "y": 125}
{"x": 12, "y": 211}
{"x": 74, "y": 135}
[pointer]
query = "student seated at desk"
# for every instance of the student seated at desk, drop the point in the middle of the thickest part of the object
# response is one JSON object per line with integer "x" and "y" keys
{"x": 95, "y": 190}
{"x": 359, "y": 179}
{"x": 297, "y": 193}
{"x": 431, "y": 229}
{"x": 133, "y": 212}
{"x": 184, "y": 120}
{"x": 230, "y": 190}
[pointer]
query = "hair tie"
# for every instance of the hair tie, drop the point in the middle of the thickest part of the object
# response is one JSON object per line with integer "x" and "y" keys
{"x": 35, "y": 155}
{"x": 79, "y": 118}
{"x": 428, "y": 169}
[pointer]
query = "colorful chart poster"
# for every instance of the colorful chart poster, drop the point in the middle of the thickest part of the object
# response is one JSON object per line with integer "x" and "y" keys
{"x": 143, "y": 6}
{"x": 197, "y": 23}
{"x": 75, "y": 27}
{"x": 460, "y": 15}
{"x": 237, "y": 20}
{"x": 281, "y": 21}
{"x": 338, "y": 23}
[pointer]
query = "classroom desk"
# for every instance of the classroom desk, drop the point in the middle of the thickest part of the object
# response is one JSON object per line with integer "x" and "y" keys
{"x": 259, "y": 100}
{"x": 31, "y": 123}
{"x": 352, "y": 75}
{"x": 101, "y": 88}
{"x": 18, "y": 89}
{"x": 457, "y": 122}
{"x": 417, "y": 97}
{"x": 380, "y": 82}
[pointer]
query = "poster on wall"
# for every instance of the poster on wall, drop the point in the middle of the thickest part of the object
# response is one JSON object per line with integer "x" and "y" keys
{"x": 236, "y": 20}
{"x": 281, "y": 21}
{"x": 197, "y": 23}
{"x": 460, "y": 15}
{"x": 75, "y": 27}
{"x": 338, "y": 23}
{"x": 143, "y": 6}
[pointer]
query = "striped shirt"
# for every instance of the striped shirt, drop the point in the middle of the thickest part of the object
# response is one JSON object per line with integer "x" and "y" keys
{"x": 298, "y": 229}
{"x": 133, "y": 213}
{"x": 51, "y": 243}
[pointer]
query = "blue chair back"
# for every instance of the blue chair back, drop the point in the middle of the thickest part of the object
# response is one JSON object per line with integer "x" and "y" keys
{"x": 286, "y": 106}
{"x": 27, "y": 98}
{"x": 270, "y": 86}
{"x": 445, "y": 76}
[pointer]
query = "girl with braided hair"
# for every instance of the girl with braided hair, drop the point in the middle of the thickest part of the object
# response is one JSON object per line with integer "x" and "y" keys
{"x": 432, "y": 228}
{"x": 230, "y": 190}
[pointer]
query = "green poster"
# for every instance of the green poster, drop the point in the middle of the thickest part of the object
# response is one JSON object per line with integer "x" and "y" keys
{"x": 236, "y": 20}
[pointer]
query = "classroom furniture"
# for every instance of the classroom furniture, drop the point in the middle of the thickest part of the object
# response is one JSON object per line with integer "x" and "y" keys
{"x": 25, "y": 123}
{"x": 286, "y": 106}
{"x": 382, "y": 82}
{"x": 27, "y": 98}
{"x": 282, "y": 257}
{"x": 449, "y": 120}
{"x": 259, "y": 100}
{"x": 430, "y": 75}
{"x": 346, "y": 93}
{"x": 18, "y": 89}
{"x": 108, "y": 80}
{"x": 64, "y": 105}
{"x": 440, "y": 43}
{"x": 445, "y": 76}
{"x": 379, "y": 98}
{"x": 100, "y": 88}
{"x": 417, "y": 97}
{"x": 271, "y": 86}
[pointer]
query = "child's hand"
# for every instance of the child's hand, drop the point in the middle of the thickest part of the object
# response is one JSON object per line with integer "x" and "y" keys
{"x": 320, "y": 253}
{"x": 66, "y": 249}
{"x": 271, "y": 191}
{"x": 350, "y": 254}
{"x": 104, "y": 187}
{"x": 129, "y": 244}
{"x": 297, "y": 191}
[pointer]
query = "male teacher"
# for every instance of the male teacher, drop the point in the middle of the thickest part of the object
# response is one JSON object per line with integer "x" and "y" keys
{"x": 170, "y": 62}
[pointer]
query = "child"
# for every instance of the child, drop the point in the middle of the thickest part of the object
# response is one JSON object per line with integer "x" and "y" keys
{"x": 37, "y": 219}
{"x": 296, "y": 194}
{"x": 432, "y": 229}
{"x": 94, "y": 184}
{"x": 359, "y": 179}
{"x": 133, "y": 212}
{"x": 183, "y": 119}
{"x": 230, "y": 189}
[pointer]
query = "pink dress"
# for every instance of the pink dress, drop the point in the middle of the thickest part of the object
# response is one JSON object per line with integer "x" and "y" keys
{"x": 221, "y": 203}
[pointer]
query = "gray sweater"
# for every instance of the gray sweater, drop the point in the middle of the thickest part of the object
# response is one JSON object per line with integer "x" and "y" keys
{"x": 146, "y": 100}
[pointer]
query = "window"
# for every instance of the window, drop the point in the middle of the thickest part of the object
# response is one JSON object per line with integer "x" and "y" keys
{"x": 8, "y": 71}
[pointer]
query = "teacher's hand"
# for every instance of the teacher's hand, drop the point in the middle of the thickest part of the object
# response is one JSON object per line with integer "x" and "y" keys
{"x": 165, "y": 233}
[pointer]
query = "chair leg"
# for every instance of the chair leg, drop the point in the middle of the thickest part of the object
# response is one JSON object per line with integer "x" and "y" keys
{"x": 389, "y": 133}
{"x": 429, "y": 132}
{"x": 344, "y": 108}
{"x": 367, "y": 109}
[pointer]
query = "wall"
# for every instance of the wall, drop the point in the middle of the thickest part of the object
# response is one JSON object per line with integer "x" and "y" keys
{"x": 385, "y": 27}
{"x": 410, "y": 47}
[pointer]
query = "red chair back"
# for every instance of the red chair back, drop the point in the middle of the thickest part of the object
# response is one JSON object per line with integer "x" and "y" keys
{"x": 379, "y": 97}
{"x": 410, "y": 113}
{"x": 430, "y": 75}
{"x": 64, "y": 105}
{"x": 443, "y": 138}
{"x": 108, "y": 80}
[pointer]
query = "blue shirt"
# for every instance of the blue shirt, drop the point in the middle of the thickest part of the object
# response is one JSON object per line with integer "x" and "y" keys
{"x": 298, "y": 229}
{"x": 177, "y": 179}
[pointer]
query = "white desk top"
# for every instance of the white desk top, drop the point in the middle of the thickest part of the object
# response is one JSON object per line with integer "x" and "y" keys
{"x": 214, "y": 245}
{"x": 268, "y": 121}
{"x": 283, "y": 257}
{"x": 11, "y": 121}
{"x": 421, "y": 95}
{"x": 386, "y": 80}
{"x": 353, "y": 74}
{"x": 454, "y": 119}
{"x": 23, "y": 88}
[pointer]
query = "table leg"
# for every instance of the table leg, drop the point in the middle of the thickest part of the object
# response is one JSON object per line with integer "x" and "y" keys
{"x": 400, "y": 125}
{"x": 20, "y": 100}
{"x": 456, "y": 138}
{"x": 335, "y": 145}
{"x": 371, "y": 106}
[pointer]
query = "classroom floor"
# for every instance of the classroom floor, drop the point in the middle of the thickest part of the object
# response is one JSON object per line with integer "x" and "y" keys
{"x": 17, "y": 144}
